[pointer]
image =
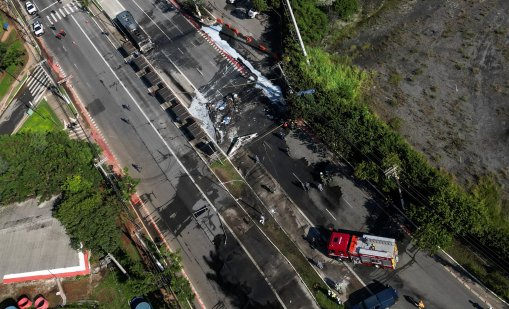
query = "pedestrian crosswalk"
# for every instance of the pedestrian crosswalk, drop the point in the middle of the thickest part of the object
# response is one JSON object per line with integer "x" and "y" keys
{"x": 57, "y": 14}
{"x": 37, "y": 83}
{"x": 75, "y": 130}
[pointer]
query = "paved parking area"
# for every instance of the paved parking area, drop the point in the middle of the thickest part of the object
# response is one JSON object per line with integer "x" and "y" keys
{"x": 35, "y": 245}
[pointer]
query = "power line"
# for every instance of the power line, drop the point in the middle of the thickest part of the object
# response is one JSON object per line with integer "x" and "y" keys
{"x": 488, "y": 252}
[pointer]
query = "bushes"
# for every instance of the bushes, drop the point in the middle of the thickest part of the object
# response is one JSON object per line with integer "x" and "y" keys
{"x": 328, "y": 73}
{"x": 312, "y": 22}
{"x": 440, "y": 208}
{"x": 345, "y": 8}
{"x": 336, "y": 113}
{"x": 260, "y": 5}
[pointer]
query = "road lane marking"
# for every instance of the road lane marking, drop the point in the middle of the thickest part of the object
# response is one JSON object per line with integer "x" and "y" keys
{"x": 199, "y": 71}
{"x": 48, "y": 7}
{"x": 223, "y": 222}
{"x": 49, "y": 19}
{"x": 164, "y": 15}
{"x": 62, "y": 12}
{"x": 152, "y": 22}
{"x": 346, "y": 202}
{"x": 54, "y": 17}
{"x": 180, "y": 50}
{"x": 65, "y": 9}
{"x": 331, "y": 214}
{"x": 58, "y": 15}
{"x": 178, "y": 69}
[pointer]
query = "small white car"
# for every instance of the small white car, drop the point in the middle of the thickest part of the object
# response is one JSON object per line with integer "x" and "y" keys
{"x": 252, "y": 13}
{"x": 31, "y": 9}
{"x": 38, "y": 28}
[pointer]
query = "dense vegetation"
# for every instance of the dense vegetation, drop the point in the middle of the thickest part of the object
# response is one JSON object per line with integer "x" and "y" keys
{"x": 12, "y": 59}
{"x": 11, "y": 55}
{"x": 440, "y": 208}
{"x": 47, "y": 164}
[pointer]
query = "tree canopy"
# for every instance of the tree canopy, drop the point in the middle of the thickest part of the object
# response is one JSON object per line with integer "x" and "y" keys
{"x": 39, "y": 164}
{"x": 45, "y": 164}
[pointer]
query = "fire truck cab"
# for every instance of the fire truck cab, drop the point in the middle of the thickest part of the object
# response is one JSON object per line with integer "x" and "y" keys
{"x": 367, "y": 250}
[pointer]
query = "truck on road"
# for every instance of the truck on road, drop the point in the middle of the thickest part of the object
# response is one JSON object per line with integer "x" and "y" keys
{"x": 366, "y": 249}
{"x": 126, "y": 24}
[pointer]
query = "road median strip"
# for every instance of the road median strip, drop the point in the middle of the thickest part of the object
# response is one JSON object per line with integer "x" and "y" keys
{"x": 271, "y": 228}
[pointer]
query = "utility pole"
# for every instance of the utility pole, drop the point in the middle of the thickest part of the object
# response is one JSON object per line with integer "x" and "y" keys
{"x": 393, "y": 172}
{"x": 297, "y": 31}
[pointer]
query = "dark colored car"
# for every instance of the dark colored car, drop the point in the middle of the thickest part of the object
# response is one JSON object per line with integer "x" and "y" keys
{"x": 381, "y": 300}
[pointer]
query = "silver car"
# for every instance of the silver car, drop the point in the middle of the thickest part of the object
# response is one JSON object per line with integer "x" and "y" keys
{"x": 31, "y": 9}
{"x": 38, "y": 28}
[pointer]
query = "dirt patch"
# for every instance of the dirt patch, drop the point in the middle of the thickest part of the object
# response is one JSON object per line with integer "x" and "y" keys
{"x": 442, "y": 80}
{"x": 76, "y": 289}
{"x": 6, "y": 34}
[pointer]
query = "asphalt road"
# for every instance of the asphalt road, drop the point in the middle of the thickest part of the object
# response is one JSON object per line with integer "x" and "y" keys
{"x": 12, "y": 116}
{"x": 417, "y": 274}
{"x": 180, "y": 48}
{"x": 356, "y": 210}
{"x": 171, "y": 196}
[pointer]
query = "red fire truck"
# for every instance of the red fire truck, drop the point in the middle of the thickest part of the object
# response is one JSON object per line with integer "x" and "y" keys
{"x": 367, "y": 250}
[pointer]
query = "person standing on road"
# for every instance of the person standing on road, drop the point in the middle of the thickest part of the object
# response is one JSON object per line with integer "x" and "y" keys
{"x": 421, "y": 304}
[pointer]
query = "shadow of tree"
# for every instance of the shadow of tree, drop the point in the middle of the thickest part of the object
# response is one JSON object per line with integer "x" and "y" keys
{"x": 240, "y": 293}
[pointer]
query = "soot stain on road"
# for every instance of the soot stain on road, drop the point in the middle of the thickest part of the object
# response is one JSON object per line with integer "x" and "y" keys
{"x": 95, "y": 107}
{"x": 178, "y": 211}
{"x": 238, "y": 278}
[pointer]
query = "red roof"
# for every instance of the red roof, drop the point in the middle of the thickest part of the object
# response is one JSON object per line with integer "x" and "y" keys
{"x": 338, "y": 242}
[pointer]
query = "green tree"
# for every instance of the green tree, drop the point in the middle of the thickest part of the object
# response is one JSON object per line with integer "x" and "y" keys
{"x": 39, "y": 164}
{"x": 345, "y": 8}
{"x": 127, "y": 184}
{"x": 260, "y": 5}
{"x": 312, "y": 22}
{"x": 13, "y": 56}
{"x": 90, "y": 217}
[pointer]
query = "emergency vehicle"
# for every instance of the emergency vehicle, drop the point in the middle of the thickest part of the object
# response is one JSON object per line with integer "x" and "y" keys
{"x": 366, "y": 249}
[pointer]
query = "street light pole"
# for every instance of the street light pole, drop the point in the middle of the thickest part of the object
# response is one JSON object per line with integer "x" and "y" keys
{"x": 297, "y": 31}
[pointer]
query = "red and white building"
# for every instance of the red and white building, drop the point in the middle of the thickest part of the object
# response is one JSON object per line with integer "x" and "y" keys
{"x": 367, "y": 250}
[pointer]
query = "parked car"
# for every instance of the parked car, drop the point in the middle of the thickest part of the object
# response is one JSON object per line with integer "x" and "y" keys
{"x": 41, "y": 303}
{"x": 31, "y": 9}
{"x": 38, "y": 28}
{"x": 381, "y": 300}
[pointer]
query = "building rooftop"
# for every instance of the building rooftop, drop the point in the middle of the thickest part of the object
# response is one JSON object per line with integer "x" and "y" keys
{"x": 35, "y": 245}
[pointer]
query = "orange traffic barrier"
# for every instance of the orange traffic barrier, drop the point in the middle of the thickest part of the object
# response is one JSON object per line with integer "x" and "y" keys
{"x": 219, "y": 20}
{"x": 235, "y": 31}
{"x": 263, "y": 48}
{"x": 249, "y": 39}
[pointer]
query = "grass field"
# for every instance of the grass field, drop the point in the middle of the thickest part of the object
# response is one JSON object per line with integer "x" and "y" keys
{"x": 7, "y": 79}
{"x": 11, "y": 72}
{"x": 14, "y": 91}
{"x": 111, "y": 293}
{"x": 229, "y": 176}
{"x": 42, "y": 120}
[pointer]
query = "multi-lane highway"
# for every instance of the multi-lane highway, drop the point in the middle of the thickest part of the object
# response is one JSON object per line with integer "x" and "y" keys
{"x": 350, "y": 205}
{"x": 180, "y": 193}
{"x": 175, "y": 183}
